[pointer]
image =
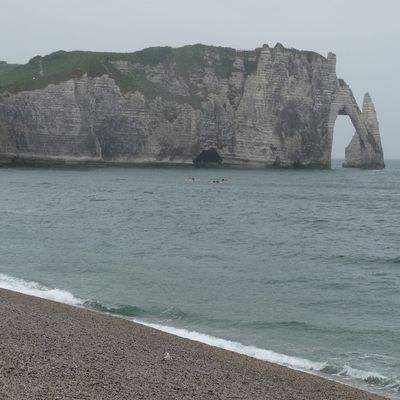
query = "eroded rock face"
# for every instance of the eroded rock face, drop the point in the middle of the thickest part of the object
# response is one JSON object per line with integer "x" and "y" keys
{"x": 275, "y": 108}
{"x": 365, "y": 148}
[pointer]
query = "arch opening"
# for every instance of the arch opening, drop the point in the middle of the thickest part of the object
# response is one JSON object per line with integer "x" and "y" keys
{"x": 343, "y": 132}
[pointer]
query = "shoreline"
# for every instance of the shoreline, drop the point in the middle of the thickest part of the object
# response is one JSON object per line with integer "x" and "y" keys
{"x": 43, "y": 161}
{"x": 52, "y": 350}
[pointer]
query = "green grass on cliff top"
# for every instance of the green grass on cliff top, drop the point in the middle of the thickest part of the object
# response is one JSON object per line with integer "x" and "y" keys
{"x": 61, "y": 65}
{"x": 4, "y": 67}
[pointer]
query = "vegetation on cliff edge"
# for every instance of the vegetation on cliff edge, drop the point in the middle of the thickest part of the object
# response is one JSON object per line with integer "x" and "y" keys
{"x": 4, "y": 67}
{"x": 61, "y": 65}
{"x": 131, "y": 70}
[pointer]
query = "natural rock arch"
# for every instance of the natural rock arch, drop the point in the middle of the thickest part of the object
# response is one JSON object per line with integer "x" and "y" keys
{"x": 365, "y": 148}
{"x": 259, "y": 108}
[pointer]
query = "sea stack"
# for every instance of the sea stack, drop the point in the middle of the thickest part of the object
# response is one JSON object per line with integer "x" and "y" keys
{"x": 361, "y": 152}
{"x": 166, "y": 106}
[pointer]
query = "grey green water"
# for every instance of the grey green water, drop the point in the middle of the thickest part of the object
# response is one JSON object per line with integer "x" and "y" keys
{"x": 303, "y": 266}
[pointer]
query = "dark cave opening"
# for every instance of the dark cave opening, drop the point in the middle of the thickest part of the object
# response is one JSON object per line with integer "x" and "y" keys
{"x": 208, "y": 157}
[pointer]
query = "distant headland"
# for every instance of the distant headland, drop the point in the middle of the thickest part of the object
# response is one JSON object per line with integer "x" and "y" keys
{"x": 195, "y": 105}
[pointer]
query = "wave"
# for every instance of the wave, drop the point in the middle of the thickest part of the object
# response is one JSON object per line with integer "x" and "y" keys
{"x": 38, "y": 290}
{"x": 133, "y": 313}
{"x": 120, "y": 309}
{"x": 63, "y": 296}
{"x": 252, "y": 351}
{"x": 372, "y": 379}
{"x": 368, "y": 259}
{"x": 393, "y": 260}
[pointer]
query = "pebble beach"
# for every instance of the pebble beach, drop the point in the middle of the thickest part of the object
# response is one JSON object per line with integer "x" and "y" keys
{"x": 50, "y": 350}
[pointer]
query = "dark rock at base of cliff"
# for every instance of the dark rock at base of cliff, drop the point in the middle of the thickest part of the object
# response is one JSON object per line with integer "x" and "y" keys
{"x": 208, "y": 158}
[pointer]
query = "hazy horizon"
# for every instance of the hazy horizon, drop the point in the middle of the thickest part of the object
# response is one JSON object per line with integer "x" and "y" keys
{"x": 364, "y": 38}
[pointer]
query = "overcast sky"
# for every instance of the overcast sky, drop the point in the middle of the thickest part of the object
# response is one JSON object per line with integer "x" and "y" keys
{"x": 364, "y": 34}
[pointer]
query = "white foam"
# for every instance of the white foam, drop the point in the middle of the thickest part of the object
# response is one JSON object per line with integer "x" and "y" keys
{"x": 251, "y": 351}
{"x": 38, "y": 290}
{"x": 360, "y": 374}
{"x": 296, "y": 363}
{"x": 63, "y": 296}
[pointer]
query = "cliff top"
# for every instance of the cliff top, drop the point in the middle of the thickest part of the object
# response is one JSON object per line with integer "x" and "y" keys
{"x": 128, "y": 69}
{"x": 4, "y": 67}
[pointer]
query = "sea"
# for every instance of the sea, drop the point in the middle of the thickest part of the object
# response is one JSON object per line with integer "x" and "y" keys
{"x": 297, "y": 267}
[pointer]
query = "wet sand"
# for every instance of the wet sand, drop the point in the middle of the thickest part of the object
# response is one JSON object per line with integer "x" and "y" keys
{"x": 52, "y": 351}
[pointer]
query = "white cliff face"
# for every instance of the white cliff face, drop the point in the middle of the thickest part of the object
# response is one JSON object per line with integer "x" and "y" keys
{"x": 270, "y": 107}
{"x": 281, "y": 119}
{"x": 365, "y": 148}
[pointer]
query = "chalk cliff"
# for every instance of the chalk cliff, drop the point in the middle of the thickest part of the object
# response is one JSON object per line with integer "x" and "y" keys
{"x": 267, "y": 107}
